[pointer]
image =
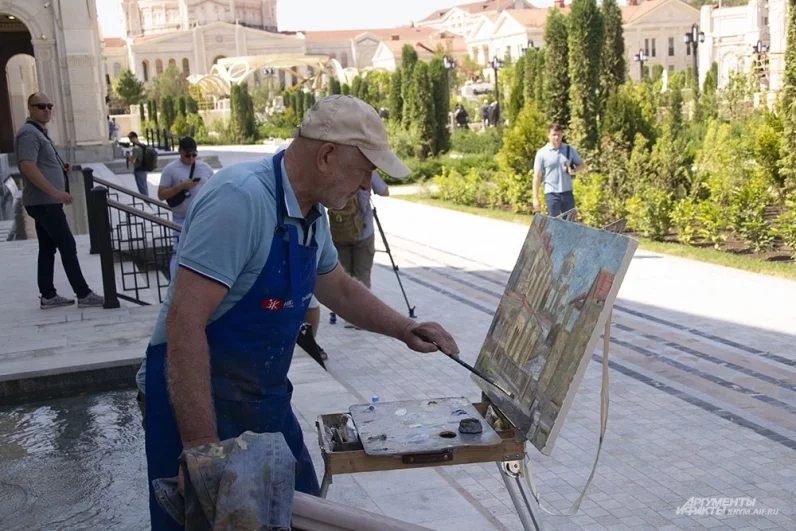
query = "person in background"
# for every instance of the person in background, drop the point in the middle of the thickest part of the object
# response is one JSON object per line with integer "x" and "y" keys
{"x": 179, "y": 186}
{"x": 353, "y": 234}
{"x": 136, "y": 158}
{"x": 44, "y": 196}
{"x": 555, "y": 164}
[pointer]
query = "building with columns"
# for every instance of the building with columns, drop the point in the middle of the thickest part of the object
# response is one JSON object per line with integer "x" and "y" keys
{"x": 655, "y": 26}
{"x": 61, "y": 41}
{"x": 741, "y": 38}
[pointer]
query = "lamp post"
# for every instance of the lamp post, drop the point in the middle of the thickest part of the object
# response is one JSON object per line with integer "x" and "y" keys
{"x": 449, "y": 65}
{"x": 692, "y": 39}
{"x": 496, "y": 65}
{"x": 641, "y": 57}
{"x": 759, "y": 66}
{"x": 529, "y": 47}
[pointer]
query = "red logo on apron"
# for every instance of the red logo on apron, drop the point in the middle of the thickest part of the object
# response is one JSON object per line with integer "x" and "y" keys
{"x": 272, "y": 305}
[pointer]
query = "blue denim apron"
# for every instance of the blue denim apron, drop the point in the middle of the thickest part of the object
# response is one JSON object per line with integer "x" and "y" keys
{"x": 251, "y": 348}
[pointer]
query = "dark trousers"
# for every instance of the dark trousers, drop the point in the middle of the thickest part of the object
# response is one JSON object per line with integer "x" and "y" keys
{"x": 557, "y": 203}
{"x": 54, "y": 234}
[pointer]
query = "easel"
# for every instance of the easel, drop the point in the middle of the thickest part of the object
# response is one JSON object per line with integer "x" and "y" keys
{"x": 440, "y": 445}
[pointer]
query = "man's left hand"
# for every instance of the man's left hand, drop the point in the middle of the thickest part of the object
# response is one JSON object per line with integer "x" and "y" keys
{"x": 67, "y": 167}
{"x": 430, "y": 337}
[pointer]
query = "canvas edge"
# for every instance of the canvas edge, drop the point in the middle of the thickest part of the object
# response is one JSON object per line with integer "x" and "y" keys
{"x": 632, "y": 245}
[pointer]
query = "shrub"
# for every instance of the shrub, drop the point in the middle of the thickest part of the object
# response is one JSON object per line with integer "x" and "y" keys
{"x": 785, "y": 226}
{"x": 522, "y": 140}
{"x": 712, "y": 222}
{"x": 457, "y": 188}
{"x": 592, "y": 200}
{"x": 487, "y": 142}
{"x": 515, "y": 190}
{"x": 747, "y": 213}
{"x": 649, "y": 213}
{"x": 270, "y": 130}
{"x": 684, "y": 220}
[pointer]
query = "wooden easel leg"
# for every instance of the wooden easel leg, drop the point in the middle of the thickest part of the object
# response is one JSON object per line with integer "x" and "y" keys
{"x": 511, "y": 471}
{"x": 325, "y": 482}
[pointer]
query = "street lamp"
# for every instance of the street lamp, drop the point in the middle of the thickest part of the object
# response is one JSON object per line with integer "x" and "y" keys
{"x": 759, "y": 48}
{"x": 692, "y": 39}
{"x": 496, "y": 65}
{"x": 529, "y": 47}
{"x": 641, "y": 57}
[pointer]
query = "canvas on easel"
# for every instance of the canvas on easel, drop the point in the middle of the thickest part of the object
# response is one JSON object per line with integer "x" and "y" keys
{"x": 549, "y": 320}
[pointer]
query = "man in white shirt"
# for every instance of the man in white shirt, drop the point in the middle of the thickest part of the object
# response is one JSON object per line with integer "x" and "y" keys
{"x": 179, "y": 186}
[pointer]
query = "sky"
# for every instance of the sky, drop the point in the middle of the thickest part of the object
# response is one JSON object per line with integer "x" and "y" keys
{"x": 322, "y": 14}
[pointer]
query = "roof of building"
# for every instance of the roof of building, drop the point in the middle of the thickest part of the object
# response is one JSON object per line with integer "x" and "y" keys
{"x": 634, "y": 12}
{"x": 401, "y": 32}
{"x": 114, "y": 42}
{"x": 473, "y": 8}
{"x": 532, "y": 18}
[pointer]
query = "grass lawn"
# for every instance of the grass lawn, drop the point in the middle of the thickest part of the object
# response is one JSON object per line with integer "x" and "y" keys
{"x": 712, "y": 256}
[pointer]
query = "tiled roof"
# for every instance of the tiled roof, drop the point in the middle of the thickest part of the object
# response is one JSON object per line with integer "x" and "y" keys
{"x": 472, "y": 8}
{"x": 114, "y": 42}
{"x": 403, "y": 33}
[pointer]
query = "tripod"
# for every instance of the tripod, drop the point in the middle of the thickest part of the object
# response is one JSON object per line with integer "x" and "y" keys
{"x": 410, "y": 308}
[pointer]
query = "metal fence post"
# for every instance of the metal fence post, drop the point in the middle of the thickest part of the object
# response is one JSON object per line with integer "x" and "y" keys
{"x": 102, "y": 222}
{"x": 88, "y": 185}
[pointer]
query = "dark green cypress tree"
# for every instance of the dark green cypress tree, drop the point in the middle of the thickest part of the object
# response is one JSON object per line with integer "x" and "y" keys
{"x": 585, "y": 38}
{"x": 141, "y": 113}
{"x": 440, "y": 88}
{"x": 408, "y": 62}
{"x": 356, "y": 87}
{"x": 345, "y": 90}
{"x": 613, "y": 57}
{"x": 539, "y": 93}
{"x": 529, "y": 76}
{"x": 788, "y": 160}
{"x": 556, "y": 70}
{"x": 517, "y": 90}
{"x": 421, "y": 112}
{"x": 182, "y": 106}
{"x": 334, "y": 86}
{"x": 396, "y": 99}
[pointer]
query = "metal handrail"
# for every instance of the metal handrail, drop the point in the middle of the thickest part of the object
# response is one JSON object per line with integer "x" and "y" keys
{"x": 142, "y": 197}
{"x": 141, "y": 214}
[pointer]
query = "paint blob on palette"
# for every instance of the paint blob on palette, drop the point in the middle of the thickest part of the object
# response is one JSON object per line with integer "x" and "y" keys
{"x": 549, "y": 321}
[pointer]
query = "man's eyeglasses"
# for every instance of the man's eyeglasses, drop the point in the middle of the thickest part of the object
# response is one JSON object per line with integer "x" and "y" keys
{"x": 192, "y": 155}
{"x": 42, "y": 106}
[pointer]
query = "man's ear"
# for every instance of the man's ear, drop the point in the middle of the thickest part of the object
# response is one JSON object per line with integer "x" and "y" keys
{"x": 322, "y": 158}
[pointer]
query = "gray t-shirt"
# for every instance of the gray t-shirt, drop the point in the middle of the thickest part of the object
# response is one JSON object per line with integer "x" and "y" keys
{"x": 31, "y": 144}
{"x": 378, "y": 186}
{"x": 176, "y": 172}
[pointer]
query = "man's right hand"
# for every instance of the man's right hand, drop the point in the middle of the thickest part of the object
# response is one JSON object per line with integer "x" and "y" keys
{"x": 63, "y": 197}
{"x": 189, "y": 184}
{"x": 537, "y": 205}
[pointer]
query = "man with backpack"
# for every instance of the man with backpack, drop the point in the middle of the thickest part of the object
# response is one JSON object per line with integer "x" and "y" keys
{"x": 353, "y": 234}
{"x": 555, "y": 164}
{"x": 144, "y": 159}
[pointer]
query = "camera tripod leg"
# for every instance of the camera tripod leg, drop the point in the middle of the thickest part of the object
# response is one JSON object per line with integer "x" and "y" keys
{"x": 394, "y": 267}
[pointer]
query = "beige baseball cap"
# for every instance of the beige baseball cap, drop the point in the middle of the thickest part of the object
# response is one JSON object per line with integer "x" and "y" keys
{"x": 350, "y": 121}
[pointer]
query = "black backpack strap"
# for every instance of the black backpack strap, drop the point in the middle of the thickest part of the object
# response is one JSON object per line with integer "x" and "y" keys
{"x": 57, "y": 156}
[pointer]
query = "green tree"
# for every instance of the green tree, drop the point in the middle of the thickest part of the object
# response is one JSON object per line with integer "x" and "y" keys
{"x": 529, "y": 77}
{"x": 141, "y": 113}
{"x": 193, "y": 107}
{"x": 364, "y": 91}
{"x": 708, "y": 105}
{"x": 396, "y": 99}
{"x": 585, "y": 39}
{"x": 440, "y": 89}
{"x": 182, "y": 106}
{"x": 674, "y": 102}
{"x": 613, "y": 68}
{"x": 345, "y": 90}
{"x": 242, "y": 113}
{"x": 516, "y": 156}
{"x": 539, "y": 92}
{"x": 623, "y": 118}
{"x": 356, "y": 87}
{"x": 517, "y": 90}
{"x": 167, "y": 111}
{"x": 408, "y": 62}
{"x": 421, "y": 112}
{"x": 128, "y": 88}
{"x": 334, "y": 86}
{"x": 309, "y": 100}
{"x": 171, "y": 82}
{"x": 556, "y": 71}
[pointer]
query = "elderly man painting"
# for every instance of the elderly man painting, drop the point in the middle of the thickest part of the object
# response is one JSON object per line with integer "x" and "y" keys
{"x": 255, "y": 247}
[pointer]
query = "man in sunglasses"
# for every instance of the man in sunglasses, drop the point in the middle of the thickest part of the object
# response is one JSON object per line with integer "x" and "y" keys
{"x": 180, "y": 182}
{"x": 44, "y": 195}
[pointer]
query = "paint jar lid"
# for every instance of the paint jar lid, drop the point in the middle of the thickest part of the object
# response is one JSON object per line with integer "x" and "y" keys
{"x": 374, "y": 398}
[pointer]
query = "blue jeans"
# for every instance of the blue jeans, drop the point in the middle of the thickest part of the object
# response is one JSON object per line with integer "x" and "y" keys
{"x": 557, "y": 203}
{"x": 140, "y": 182}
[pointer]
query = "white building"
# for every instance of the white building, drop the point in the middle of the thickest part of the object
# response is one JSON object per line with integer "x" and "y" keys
{"x": 655, "y": 26}
{"x": 732, "y": 35}
{"x": 60, "y": 40}
{"x": 463, "y": 19}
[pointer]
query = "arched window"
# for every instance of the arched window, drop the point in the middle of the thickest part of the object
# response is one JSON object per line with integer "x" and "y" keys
{"x": 158, "y": 67}
{"x": 145, "y": 70}
{"x": 117, "y": 68}
{"x": 186, "y": 66}
{"x": 173, "y": 63}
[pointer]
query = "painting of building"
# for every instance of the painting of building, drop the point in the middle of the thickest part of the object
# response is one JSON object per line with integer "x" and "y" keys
{"x": 548, "y": 322}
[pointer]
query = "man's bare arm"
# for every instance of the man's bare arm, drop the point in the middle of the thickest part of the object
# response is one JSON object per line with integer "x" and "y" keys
{"x": 167, "y": 192}
{"x": 537, "y": 180}
{"x": 188, "y": 362}
{"x": 355, "y": 303}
